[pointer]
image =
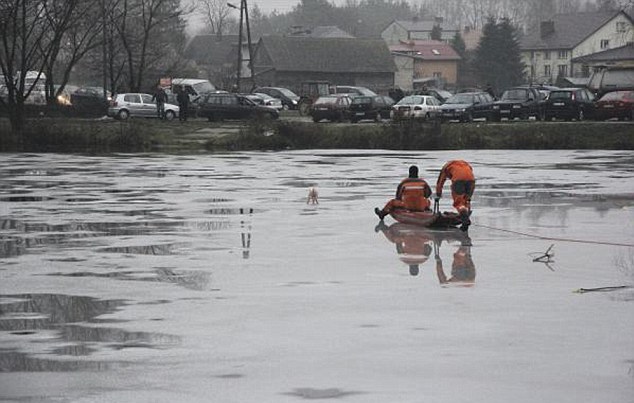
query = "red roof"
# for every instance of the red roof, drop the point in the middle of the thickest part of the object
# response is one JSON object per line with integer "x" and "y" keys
{"x": 426, "y": 50}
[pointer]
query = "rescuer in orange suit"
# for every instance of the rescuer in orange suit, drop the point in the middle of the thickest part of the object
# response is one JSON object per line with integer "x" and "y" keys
{"x": 411, "y": 194}
{"x": 462, "y": 186}
{"x": 412, "y": 245}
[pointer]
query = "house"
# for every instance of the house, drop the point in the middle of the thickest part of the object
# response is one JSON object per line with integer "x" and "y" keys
{"x": 554, "y": 49}
{"x": 287, "y": 61}
{"x": 417, "y": 29}
{"x": 216, "y": 57}
{"x": 424, "y": 62}
{"x": 623, "y": 56}
{"x": 328, "y": 31}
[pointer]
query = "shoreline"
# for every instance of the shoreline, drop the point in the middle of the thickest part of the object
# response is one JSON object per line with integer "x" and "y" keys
{"x": 102, "y": 136}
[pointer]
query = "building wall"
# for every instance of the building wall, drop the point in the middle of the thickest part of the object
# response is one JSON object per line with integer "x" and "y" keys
{"x": 393, "y": 34}
{"x": 404, "y": 76}
{"x": 448, "y": 70}
{"x": 538, "y": 60}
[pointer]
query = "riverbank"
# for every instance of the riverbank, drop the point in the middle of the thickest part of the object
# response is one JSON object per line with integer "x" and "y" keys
{"x": 196, "y": 136}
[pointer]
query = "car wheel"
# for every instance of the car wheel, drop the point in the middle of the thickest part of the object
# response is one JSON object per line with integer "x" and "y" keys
{"x": 427, "y": 116}
{"x": 378, "y": 117}
{"x": 123, "y": 115}
{"x": 285, "y": 107}
{"x": 469, "y": 117}
{"x": 316, "y": 119}
{"x": 304, "y": 108}
{"x": 211, "y": 117}
{"x": 354, "y": 120}
{"x": 170, "y": 115}
{"x": 580, "y": 116}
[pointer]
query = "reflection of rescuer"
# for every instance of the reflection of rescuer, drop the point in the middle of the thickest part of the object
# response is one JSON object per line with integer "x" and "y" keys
{"x": 462, "y": 186}
{"x": 411, "y": 194}
{"x": 462, "y": 268}
{"x": 413, "y": 247}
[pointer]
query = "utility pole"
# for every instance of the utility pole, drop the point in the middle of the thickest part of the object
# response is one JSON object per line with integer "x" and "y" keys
{"x": 244, "y": 16}
{"x": 103, "y": 49}
{"x": 239, "y": 72}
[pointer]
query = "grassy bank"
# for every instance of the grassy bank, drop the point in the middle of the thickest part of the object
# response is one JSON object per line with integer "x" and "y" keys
{"x": 147, "y": 135}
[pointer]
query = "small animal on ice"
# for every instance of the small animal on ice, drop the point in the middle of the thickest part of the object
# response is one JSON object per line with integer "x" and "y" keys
{"x": 312, "y": 196}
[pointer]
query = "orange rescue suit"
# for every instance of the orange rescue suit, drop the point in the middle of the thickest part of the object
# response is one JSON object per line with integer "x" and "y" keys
{"x": 411, "y": 194}
{"x": 462, "y": 183}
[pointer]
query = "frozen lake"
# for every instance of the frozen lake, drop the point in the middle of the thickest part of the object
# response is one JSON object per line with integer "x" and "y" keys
{"x": 152, "y": 278}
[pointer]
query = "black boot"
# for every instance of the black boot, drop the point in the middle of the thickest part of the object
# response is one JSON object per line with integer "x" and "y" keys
{"x": 380, "y": 213}
{"x": 464, "y": 218}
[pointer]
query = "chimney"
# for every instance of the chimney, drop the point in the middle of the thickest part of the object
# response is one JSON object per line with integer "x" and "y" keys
{"x": 546, "y": 28}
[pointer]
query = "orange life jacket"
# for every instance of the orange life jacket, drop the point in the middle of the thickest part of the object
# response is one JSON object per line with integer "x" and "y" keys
{"x": 414, "y": 193}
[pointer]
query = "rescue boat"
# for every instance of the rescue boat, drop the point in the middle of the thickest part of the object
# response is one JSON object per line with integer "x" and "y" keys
{"x": 427, "y": 218}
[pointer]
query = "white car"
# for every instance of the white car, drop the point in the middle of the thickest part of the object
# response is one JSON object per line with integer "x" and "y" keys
{"x": 270, "y": 101}
{"x": 416, "y": 106}
{"x": 128, "y": 105}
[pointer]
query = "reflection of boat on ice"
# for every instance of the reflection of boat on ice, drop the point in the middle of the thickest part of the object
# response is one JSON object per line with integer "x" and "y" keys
{"x": 426, "y": 218}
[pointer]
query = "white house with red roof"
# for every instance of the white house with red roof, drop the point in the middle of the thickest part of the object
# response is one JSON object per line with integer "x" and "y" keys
{"x": 419, "y": 61}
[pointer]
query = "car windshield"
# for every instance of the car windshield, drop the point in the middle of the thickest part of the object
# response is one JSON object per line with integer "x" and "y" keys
{"x": 325, "y": 100}
{"x": 411, "y": 100}
{"x": 560, "y": 95}
{"x": 203, "y": 87}
{"x": 514, "y": 95}
{"x": 460, "y": 99}
{"x": 288, "y": 93}
{"x": 365, "y": 91}
{"x": 362, "y": 100}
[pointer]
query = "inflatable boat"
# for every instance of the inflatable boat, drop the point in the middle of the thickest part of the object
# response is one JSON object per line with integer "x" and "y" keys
{"x": 427, "y": 218}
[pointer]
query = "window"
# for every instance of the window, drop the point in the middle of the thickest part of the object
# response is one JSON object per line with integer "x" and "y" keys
{"x": 147, "y": 99}
{"x": 547, "y": 70}
{"x": 562, "y": 70}
{"x": 547, "y": 55}
{"x": 605, "y": 43}
{"x": 132, "y": 98}
{"x": 562, "y": 54}
{"x": 621, "y": 26}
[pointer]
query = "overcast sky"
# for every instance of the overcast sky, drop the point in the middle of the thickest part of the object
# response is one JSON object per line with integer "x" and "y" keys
{"x": 280, "y": 5}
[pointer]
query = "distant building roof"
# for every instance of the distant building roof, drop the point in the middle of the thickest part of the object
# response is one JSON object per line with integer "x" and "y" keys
{"x": 329, "y": 31}
{"x": 426, "y": 50}
{"x": 567, "y": 30}
{"x": 622, "y": 53}
{"x": 424, "y": 25}
{"x": 211, "y": 49}
{"x": 328, "y": 55}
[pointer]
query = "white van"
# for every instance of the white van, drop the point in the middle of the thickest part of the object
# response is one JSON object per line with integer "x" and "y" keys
{"x": 193, "y": 86}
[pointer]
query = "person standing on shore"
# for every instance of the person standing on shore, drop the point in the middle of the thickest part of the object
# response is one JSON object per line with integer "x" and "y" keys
{"x": 183, "y": 104}
{"x": 160, "y": 96}
{"x": 462, "y": 186}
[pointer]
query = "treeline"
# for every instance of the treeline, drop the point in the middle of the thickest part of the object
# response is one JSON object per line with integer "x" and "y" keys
{"x": 367, "y": 18}
{"x": 124, "y": 44}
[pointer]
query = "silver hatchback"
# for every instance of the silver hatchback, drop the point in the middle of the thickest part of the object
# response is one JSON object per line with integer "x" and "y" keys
{"x": 128, "y": 105}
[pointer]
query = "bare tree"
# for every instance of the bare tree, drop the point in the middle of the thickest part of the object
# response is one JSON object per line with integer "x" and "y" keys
{"x": 25, "y": 47}
{"x": 215, "y": 14}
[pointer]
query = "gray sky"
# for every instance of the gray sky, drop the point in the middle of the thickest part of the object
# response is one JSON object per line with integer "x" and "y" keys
{"x": 279, "y": 5}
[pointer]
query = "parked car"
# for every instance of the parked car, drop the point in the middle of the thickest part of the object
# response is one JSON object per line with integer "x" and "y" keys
{"x": 416, "y": 106}
{"x": 616, "y": 104}
{"x": 335, "y": 107}
{"x": 268, "y": 100}
{"x": 375, "y": 107}
{"x": 124, "y": 106}
{"x": 220, "y": 106}
{"x": 611, "y": 79}
{"x": 518, "y": 102}
{"x": 441, "y": 95}
{"x": 467, "y": 106}
{"x": 289, "y": 99}
{"x": 89, "y": 101}
{"x": 569, "y": 103}
{"x": 352, "y": 90}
